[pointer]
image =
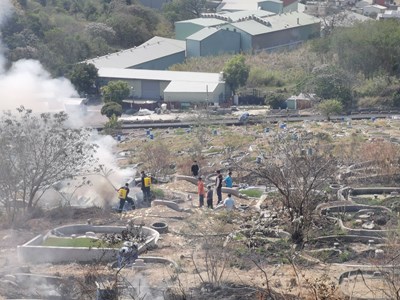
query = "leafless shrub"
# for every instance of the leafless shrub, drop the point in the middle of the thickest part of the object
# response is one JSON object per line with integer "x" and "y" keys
{"x": 156, "y": 158}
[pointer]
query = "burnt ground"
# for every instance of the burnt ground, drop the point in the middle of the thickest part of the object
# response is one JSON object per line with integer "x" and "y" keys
{"x": 184, "y": 244}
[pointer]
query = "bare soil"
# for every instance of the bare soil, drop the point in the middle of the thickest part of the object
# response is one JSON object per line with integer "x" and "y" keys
{"x": 288, "y": 278}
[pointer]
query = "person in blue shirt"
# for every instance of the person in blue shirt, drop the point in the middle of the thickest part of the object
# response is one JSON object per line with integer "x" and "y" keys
{"x": 228, "y": 180}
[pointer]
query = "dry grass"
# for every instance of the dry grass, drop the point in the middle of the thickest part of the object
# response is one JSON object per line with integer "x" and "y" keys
{"x": 281, "y": 69}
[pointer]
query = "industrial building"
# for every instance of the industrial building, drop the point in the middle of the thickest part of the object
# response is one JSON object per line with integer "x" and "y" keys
{"x": 184, "y": 29}
{"x": 176, "y": 88}
{"x": 228, "y": 31}
{"x": 256, "y": 32}
{"x": 157, "y": 53}
{"x": 276, "y": 6}
{"x": 276, "y": 31}
{"x": 212, "y": 41}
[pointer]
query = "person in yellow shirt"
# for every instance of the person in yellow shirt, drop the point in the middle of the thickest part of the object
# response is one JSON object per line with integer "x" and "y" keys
{"x": 123, "y": 196}
{"x": 146, "y": 183}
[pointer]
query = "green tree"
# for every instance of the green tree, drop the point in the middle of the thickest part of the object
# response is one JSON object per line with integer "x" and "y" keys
{"x": 83, "y": 77}
{"x": 129, "y": 30}
{"x": 330, "y": 107}
{"x": 67, "y": 48}
{"x": 112, "y": 126}
{"x": 115, "y": 91}
{"x": 330, "y": 82}
{"x": 111, "y": 109}
{"x": 275, "y": 100}
{"x": 370, "y": 48}
{"x": 178, "y": 10}
{"x": 236, "y": 72}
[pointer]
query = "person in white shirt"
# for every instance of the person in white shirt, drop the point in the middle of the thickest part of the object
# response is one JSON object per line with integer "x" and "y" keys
{"x": 229, "y": 203}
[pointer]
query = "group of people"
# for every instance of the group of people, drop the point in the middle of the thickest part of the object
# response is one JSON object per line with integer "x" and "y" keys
{"x": 124, "y": 191}
{"x": 228, "y": 203}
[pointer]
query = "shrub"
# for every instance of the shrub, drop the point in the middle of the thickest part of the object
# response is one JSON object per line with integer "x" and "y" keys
{"x": 254, "y": 193}
{"x": 260, "y": 77}
{"x": 158, "y": 193}
{"x": 111, "y": 109}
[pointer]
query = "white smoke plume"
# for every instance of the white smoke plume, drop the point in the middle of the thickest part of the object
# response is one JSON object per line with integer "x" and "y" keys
{"x": 27, "y": 83}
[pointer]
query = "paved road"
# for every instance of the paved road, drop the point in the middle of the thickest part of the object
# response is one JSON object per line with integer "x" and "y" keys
{"x": 252, "y": 120}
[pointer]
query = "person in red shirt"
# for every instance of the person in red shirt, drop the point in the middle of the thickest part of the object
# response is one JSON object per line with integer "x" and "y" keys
{"x": 201, "y": 191}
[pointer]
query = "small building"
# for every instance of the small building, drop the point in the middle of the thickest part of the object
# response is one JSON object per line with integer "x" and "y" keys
{"x": 195, "y": 93}
{"x": 302, "y": 101}
{"x": 212, "y": 41}
{"x": 169, "y": 86}
{"x": 157, "y": 53}
{"x": 386, "y": 3}
{"x": 389, "y": 14}
{"x": 363, "y": 3}
{"x": 316, "y": 8}
{"x": 374, "y": 9}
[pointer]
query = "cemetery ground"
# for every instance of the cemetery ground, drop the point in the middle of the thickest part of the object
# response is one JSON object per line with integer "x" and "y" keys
{"x": 247, "y": 253}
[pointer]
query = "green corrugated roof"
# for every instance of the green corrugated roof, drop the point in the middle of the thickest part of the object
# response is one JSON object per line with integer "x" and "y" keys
{"x": 277, "y": 23}
{"x": 202, "y": 34}
{"x": 205, "y": 22}
{"x": 235, "y": 16}
{"x": 153, "y": 49}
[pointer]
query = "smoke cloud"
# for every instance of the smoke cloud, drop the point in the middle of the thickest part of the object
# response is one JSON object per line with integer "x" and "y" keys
{"x": 27, "y": 83}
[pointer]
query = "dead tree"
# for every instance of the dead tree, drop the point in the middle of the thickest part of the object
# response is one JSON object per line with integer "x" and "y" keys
{"x": 299, "y": 169}
{"x": 36, "y": 152}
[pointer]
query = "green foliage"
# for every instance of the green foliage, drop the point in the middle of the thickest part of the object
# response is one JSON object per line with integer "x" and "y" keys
{"x": 374, "y": 87}
{"x": 77, "y": 242}
{"x": 178, "y": 10}
{"x": 115, "y": 91}
{"x": 158, "y": 193}
{"x": 369, "y": 48}
{"x": 330, "y": 82}
{"x": 129, "y": 30}
{"x": 396, "y": 98}
{"x": 254, "y": 193}
{"x": 112, "y": 125}
{"x": 236, "y": 72}
{"x": 226, "y": 217}
{"x": 62, "y": 33}
{"x": 321, "y": 47}
{"x": 276, "y": 100}
{"x": 83, "y": 77}
{"x": 330, "y": 107}
{"x": 261, "y": 77}
{"x": 111, "y": 109}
